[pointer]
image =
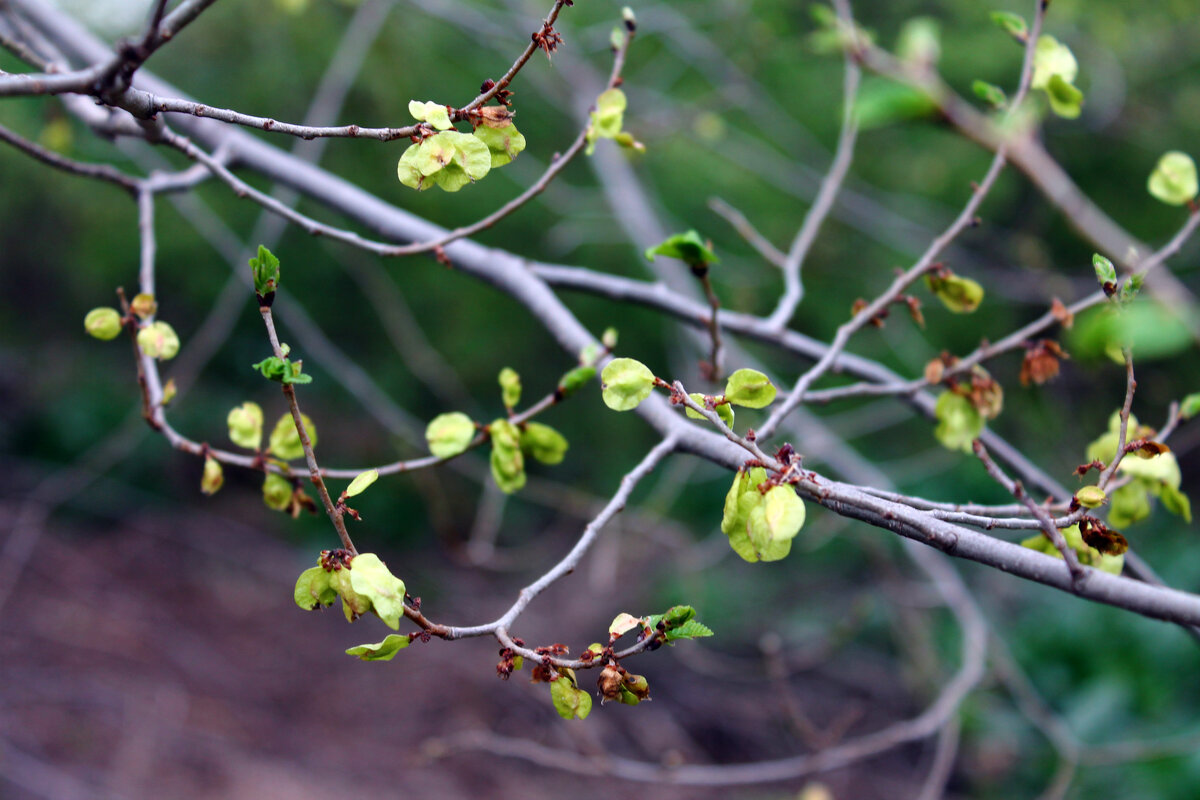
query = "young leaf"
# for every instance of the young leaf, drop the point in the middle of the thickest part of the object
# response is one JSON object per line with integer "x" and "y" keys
{"x": 313, "y": 589}
{"x": 1065, "y": 100}
{"x": 608, "y": 118}
{"x": 689, "y": 630}
{"x": 1106, "y": 273}
{"x": 503, "y": 143}
{"x": 724, "y": 411}
{"x": 213, "y": 476}
{"x": 1012, "y": 24}
{"x": 1130, "y": 504}
{"x": 386, "y": 650}
{"x": 959, "y": 422}
{"x": 103, "y": 323}
{"x": 687, "y": 247}
{"x": 625, "y": 383}
{"x": 285, "y": 439}
{"x": 749, "y": 388}
{"x": 1176, "y": 502}
{"x": 143, "y": 306}
{"x": 1190, "y": 406}
{"x": 960, "y": 295}
{"x": 158, "y": 340}
{"x": 543, "y": 443}
{"x": 623, "y": 624}
{"x": 361, "y": 481}
{"x": 246, "y": 425}
{"x": 506, "y": 461}
{"x": 510, "y": 388}
{"x": 449, "y": 434}
{"x": 433, "y": 113}
{"x": 991, "y": 94}
{"x": 569, "y": 702}
{"x": 1174, "y": 179}
{"x": 1051, "y": 57}
{"x": 370, "y": 578}
{"x": 575, "y": 380}
{"x": 277, "y": 492}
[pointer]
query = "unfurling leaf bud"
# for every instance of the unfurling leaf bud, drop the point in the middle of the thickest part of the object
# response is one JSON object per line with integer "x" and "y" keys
{"x": 213, "y": 477}
{"x": 103, "y": 323}
{"x": 609, "y": 338}
{"x": 1091, "y": 496}
{"x": 629, "y": 19}
{"x": 265, "y": 269}
{"x": 143, "y": 305}
{"x": 158, "y": 340}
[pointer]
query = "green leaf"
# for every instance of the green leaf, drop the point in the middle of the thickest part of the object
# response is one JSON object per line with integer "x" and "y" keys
{"x": 507, "y": 461}
{"x": 569, "y": 702}
{"x": 313, "y": 589}
{"x": 625, "y": 383}
{"x": 246, "y": 425}
{"x": 158, "y": 340}
{"x": 433, "y": 113}
{"x": 882, "y": 102}
{"x": 724, "y": 411}
{"x": 381, "y": 651}
{"x": 749, "y": 388}
{"x": 370, "y": 578}
{"x": 990, "y": 93}
{"x": 1174, "y": 179}
{"x": 1050, "y": 58}
{"x": 449, "y": 434}
{"x": 1012, "y": 24}
{"x": 282, "y": 370}
{"x": 285, "y": 439}
{"x": 265, "y": 269}
{"x": 543, "y": 443}
{"x": 687, "y": 247}
{"x": 1176, "y": 502}
{"x": 960, "y": 295}
{"x": 1190, "y": 406}
{"x": 1105, "y": 271}
{"x": 510, "y": 388}
{"x": 959, "y": 422}
{"x": 103, "y": 323}
{"x": 361, "y": 481}
{"x": 574, "y": 380}
{"x": 277, "y": 492}
{"x": 503, "y": 143}
{"x": 1065, "y": 100}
